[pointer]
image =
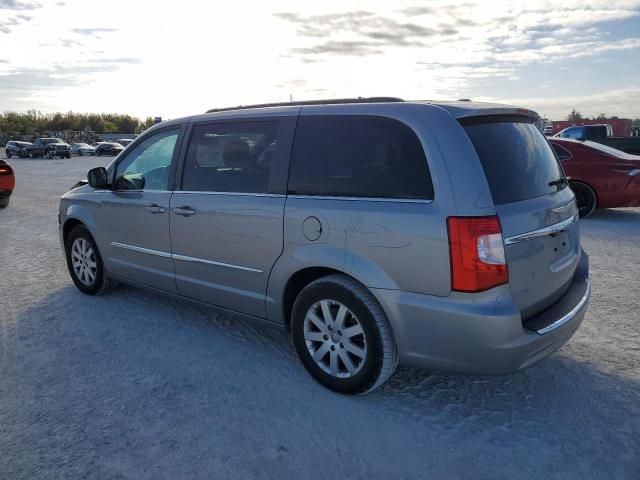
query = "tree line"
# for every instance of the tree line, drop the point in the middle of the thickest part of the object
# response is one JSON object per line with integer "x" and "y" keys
{"x": 576, "y": 116}
{"x": 34, "y": 122}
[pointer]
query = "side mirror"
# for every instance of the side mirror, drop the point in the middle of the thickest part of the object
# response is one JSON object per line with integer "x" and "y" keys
{"x": 130, "y": 182}
{"x": 97, "y": 177}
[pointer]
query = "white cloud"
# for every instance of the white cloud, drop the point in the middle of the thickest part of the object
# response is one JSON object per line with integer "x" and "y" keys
{"x": 171, "y": 59}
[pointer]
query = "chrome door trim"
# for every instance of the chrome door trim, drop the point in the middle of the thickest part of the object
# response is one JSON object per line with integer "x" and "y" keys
{"x": 569, "y": 315}
{"x": 183, "y": 258}
{"x": 236, "y": 194}
{"x": 362, "y": 199}
{"x": 542, "y": 232}
{"x": 141, "y": 250}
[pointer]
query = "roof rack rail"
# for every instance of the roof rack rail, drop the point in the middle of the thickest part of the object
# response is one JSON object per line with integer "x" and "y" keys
{"x": 333, "y": 101}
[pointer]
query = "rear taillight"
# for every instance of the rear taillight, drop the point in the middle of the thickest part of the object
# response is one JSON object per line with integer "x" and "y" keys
{"x": 5, "y": 170}
{"x": 477, "y": 254}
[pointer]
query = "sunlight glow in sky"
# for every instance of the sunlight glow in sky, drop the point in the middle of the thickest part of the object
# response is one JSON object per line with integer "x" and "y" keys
{"x": 179, "y": 58}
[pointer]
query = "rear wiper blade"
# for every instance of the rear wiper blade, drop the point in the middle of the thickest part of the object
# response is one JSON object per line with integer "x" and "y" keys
{"x": 559, "y": 182}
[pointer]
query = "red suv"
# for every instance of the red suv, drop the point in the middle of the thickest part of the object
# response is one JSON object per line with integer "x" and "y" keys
{"x": 600, "y": 176}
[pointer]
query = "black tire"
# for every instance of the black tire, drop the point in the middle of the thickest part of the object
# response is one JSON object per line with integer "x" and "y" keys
{"x": 101, "y": 283}
{"x": 586, "y": 198}
{"x": 80, "y": 153}
{"x": 381, "y": 355}
{"x": 4, "y": 202}
{"x": 8, "y": 154}
{"x": 68, "y": 155}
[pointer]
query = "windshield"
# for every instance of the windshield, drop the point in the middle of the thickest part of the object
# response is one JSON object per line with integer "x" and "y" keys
{"x": 517, "y": 160}
{"x": 81, "y": 145}
{"x": 52, "y": 140}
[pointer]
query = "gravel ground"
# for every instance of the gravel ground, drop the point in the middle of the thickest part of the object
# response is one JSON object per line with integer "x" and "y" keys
{"x": 134, "y": 385}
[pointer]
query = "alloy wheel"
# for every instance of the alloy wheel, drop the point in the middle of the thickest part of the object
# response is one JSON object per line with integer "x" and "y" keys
{"x": 335, "y": 339}
{"x": 84, "y": 262}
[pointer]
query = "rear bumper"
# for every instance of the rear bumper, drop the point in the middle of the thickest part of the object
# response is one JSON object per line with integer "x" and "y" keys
{"x": 481, "y": 333}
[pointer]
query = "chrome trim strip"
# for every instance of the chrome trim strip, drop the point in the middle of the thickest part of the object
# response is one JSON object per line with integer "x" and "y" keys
{"x": 236, "y": 194}
{"x": 141, "y": 250}
{"x": 184, "y": 258}
{"x": 363, "y": 199}
{"x": 542, "y": 232}
{"x": 569, "y": 315}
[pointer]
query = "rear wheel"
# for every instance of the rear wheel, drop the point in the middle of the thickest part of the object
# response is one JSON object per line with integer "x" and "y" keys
{"x": 4, "y": 202}
{"x": 585, "y": 198}
{"x": 80, "y": 153}
{"x": 342, "y": 336}
{"x": 85, "y": 263}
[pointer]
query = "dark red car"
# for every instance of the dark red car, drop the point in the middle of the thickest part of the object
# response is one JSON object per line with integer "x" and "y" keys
{"x": 600, "y": 176}
{"x": 7, "y": 182}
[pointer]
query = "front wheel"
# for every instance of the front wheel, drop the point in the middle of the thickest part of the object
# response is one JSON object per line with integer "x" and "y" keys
{"x": 342, "y": 336}
{"x": 586, "y": 199}
{"x": 8, "y": 154}
{"x": 80, "y": 153}
{"x": 85, "y": 263}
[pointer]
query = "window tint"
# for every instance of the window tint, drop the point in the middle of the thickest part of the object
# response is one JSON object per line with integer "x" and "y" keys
{"x": 562, "y": 153}
{"x": 231, "y": 157}
{"x": 573, "y": 132}
{"x": 516, "y": 158}
{"x": 358, "y": 156}
{"x": 150, "y": 160}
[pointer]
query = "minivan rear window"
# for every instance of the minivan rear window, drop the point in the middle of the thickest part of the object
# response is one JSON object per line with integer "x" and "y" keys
{"x": 517, "y": 160}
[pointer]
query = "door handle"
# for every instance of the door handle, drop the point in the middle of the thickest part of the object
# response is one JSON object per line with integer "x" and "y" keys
{"x": 185, "y": 211}
{"x": 155, "y": 208}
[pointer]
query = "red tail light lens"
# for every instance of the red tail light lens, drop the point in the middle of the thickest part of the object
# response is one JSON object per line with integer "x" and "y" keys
{"x": 5, "y": 170}
{"x": 477, "y": 253}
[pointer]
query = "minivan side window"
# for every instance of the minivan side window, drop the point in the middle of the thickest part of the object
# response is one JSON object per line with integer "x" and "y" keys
{"x": 230, "y": 157}
{"x": 149, "y": 160}
{"x": 358, "y": 156}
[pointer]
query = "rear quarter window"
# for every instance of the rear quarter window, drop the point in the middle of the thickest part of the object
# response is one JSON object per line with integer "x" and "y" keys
{"x": 358, "y": 156}
{"x": 517, "y": 160}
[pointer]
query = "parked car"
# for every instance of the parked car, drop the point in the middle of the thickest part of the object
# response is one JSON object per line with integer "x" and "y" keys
{"x": 548, "y": 130}
{"x": 81, "y": 149}
{"x": 108, "y": 148}
{"x": 602, "y": 134}
{"x": 7, "y": 183}
{"x": 124, "y": 141}
{"x": 600, "y": 176}
{"x": 437, "y": 235}
{"x": 14, "y": 148}
{"x": 50, "y": 147}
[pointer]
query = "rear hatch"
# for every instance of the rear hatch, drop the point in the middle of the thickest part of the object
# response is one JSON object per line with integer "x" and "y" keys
{"x": 536, "y": 209}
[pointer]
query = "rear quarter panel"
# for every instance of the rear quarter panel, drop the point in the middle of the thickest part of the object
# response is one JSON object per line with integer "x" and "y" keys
{"x": 388, "y": 244}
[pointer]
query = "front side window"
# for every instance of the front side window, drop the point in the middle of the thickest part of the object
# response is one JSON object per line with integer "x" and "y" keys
{"x": 358, "y": 156}
{"x": 574, "y": 132}
{"x": 230, "y": 157}
{"x": 148, "y": 165}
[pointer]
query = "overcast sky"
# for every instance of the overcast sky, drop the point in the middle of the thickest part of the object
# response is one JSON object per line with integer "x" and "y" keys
{"x": 182, "y": 57}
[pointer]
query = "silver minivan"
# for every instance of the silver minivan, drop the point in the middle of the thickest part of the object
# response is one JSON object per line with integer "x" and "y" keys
{"x": 377, "y": 231}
